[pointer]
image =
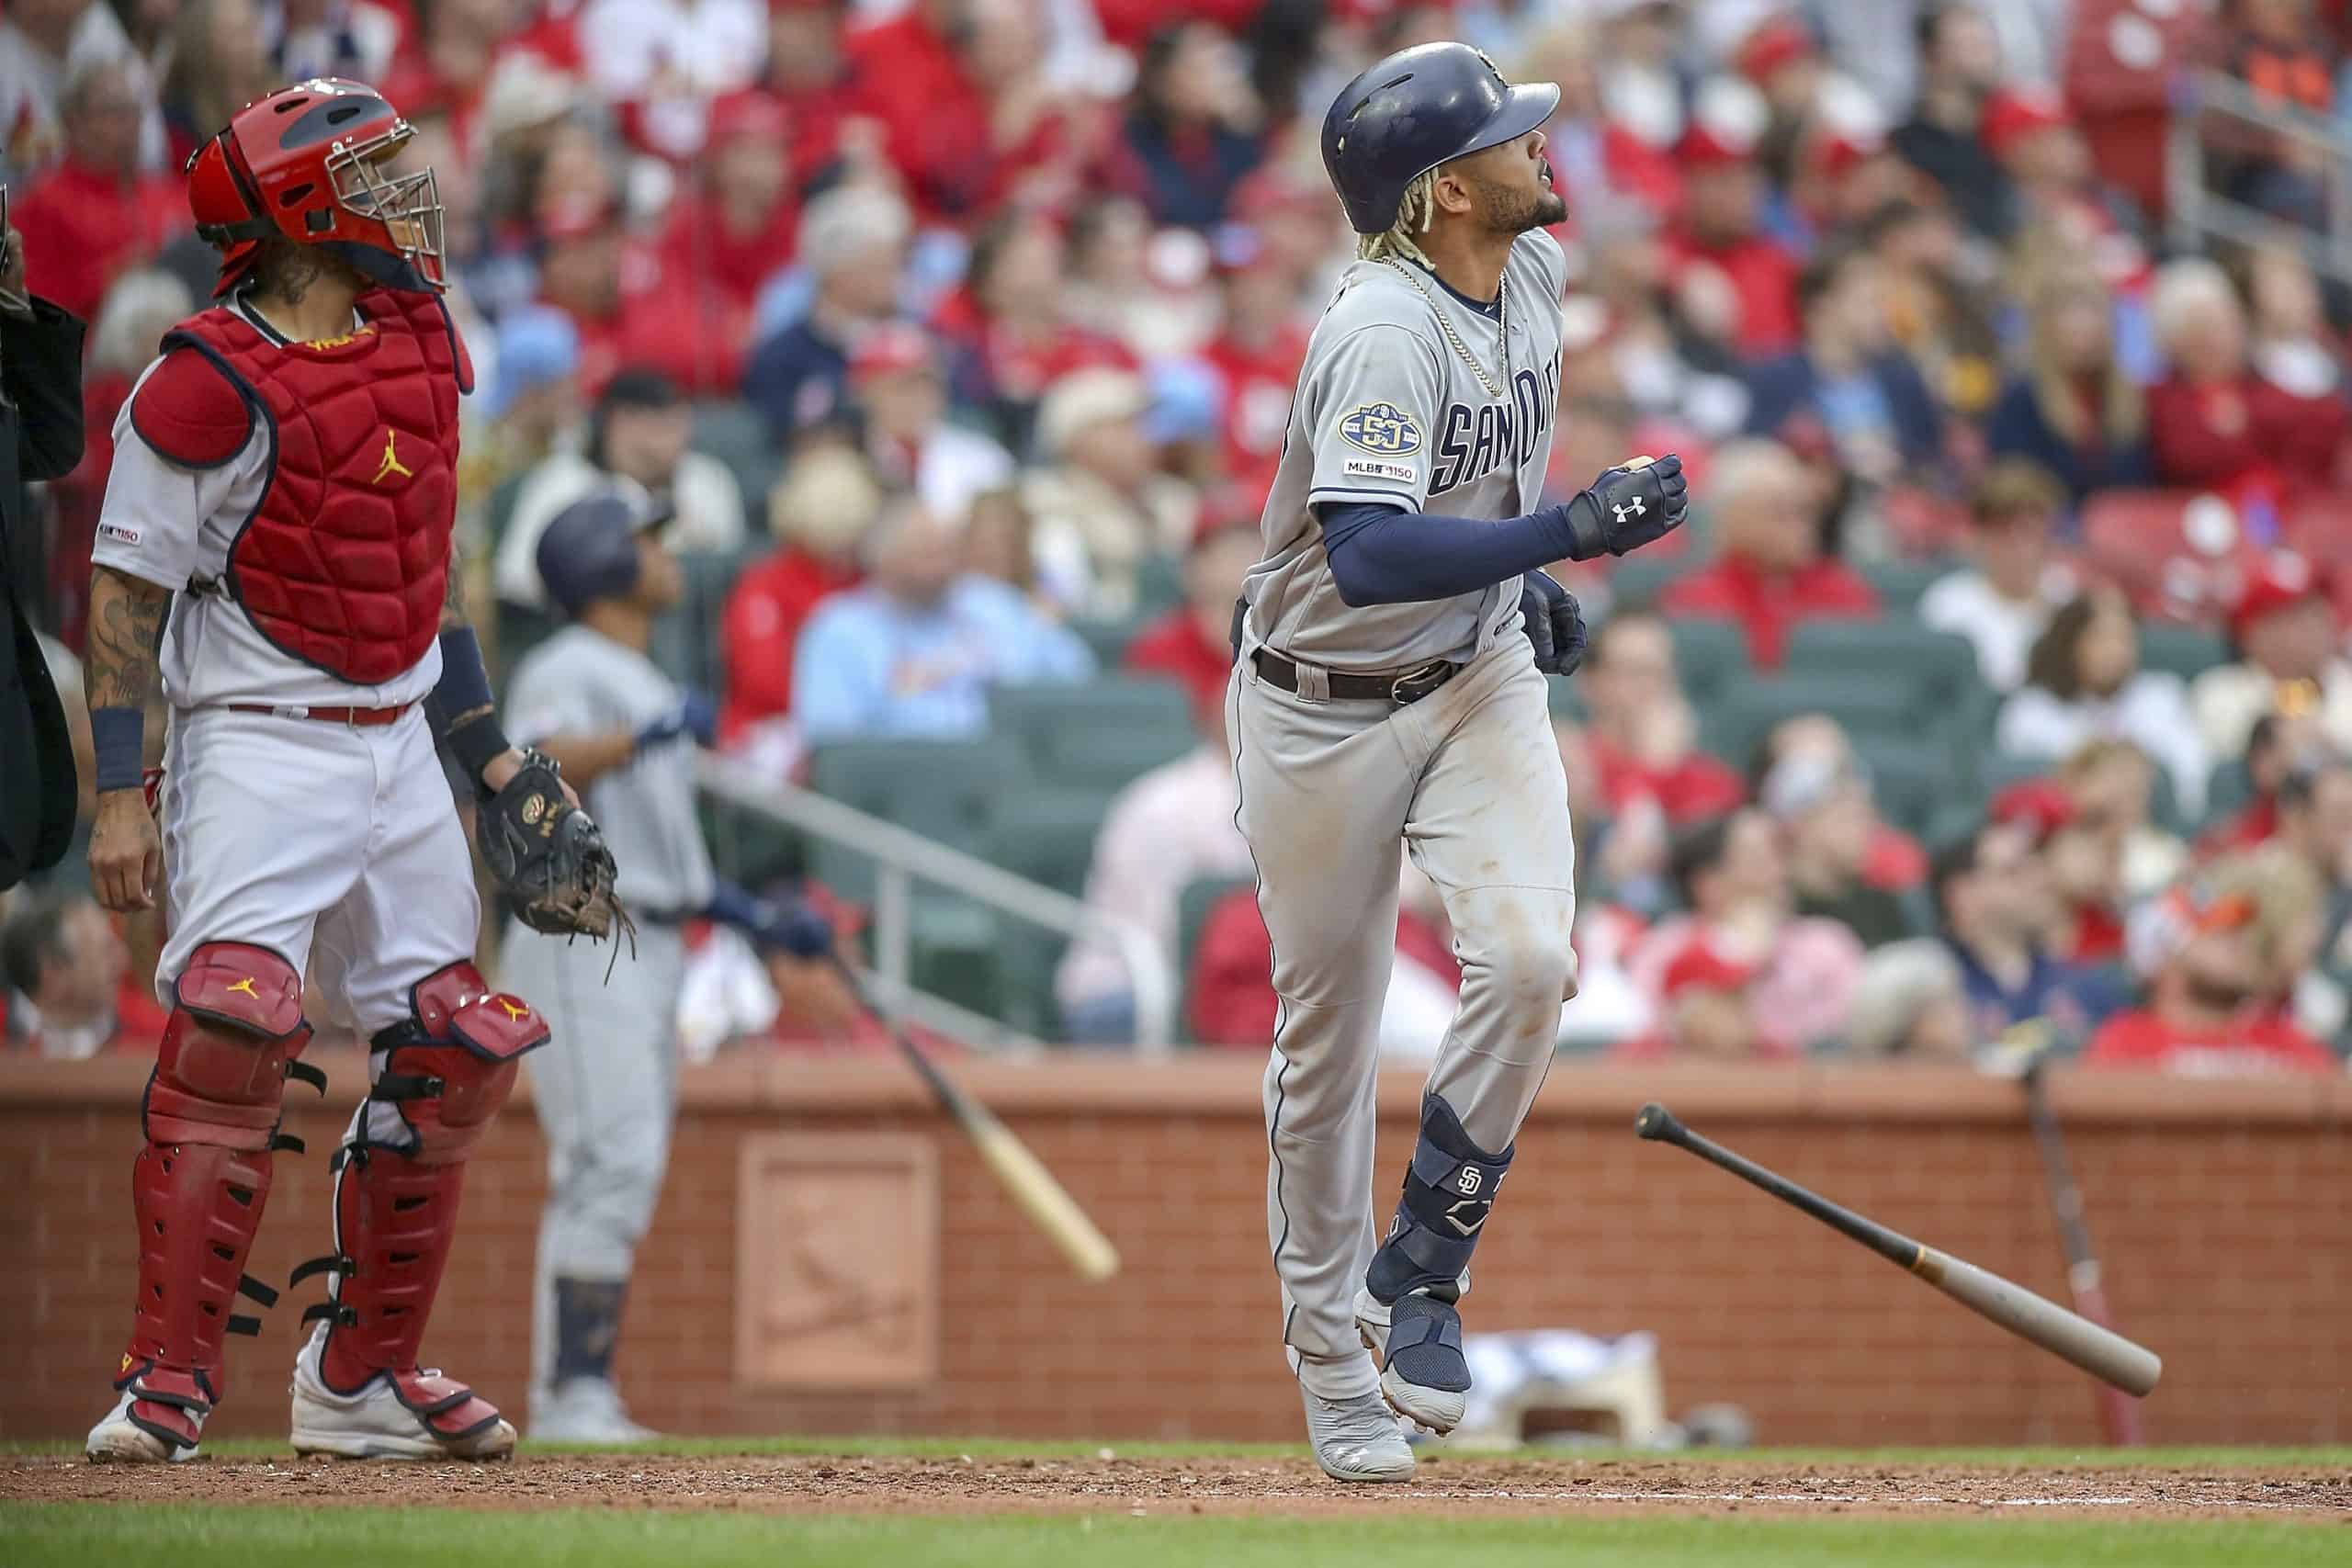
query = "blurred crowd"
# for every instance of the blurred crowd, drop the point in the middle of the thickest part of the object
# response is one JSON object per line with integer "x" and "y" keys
{"x": 960, "y": 335}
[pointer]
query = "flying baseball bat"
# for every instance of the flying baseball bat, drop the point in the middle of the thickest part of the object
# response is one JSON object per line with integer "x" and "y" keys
{"x": 1049, "y": 1205}
{"x": 2098, "y": 1351}
{"x": 2118, "y": 1417}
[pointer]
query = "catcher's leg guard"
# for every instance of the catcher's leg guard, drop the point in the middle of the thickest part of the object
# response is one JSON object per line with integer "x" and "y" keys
{"x": 441, "y": 1075}
{"x": 199, "y": 1185}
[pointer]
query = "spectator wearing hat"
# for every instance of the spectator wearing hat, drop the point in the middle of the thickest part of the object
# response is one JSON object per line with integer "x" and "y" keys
{"x": 2219, "y": 950}
{"x": 2290, "y": 660}
{"x": 2279, "y": 745}
{"x": 636, "y": 437}
{"x": 898, "y": 393}
{"x": 1194, "y": 126}
{"x": 1707, "y": 1010}
{"x": 2032, "y": 133}
{"x": 2083, "y": 681}
{"x": 810, "y": 74}
{"x": 581, "y": 249}
{"x": 1772, "y": 573}
{"x": 852, "y": 248}
{"x": 62, "y": 956}
{"x": 817, "y": 512}
{"x": 2111, "y": 784}
{"x": 736, "y": 226}
{"x": 1850, "y": 376}
{"x": 1718, "y": 244}
{"x": 2073, "y": 408}
{"x": 1010, "y": 325}
{"x": 1101, "y": 502}
{"x": 1995, "y": 912}
{"x": 1644, "y": 734}
{"x": 1733, "y": 880}
{"x": 915, "y": 649}
{"x": 2004, "y": 599}
{"x": 1826, "y": 819}
{"x": 1260, "y": 344}
{"x": 1192, "y": 642}
{"x": 2082, "y": 857}
{"x": 96, "y": 214}
{"x": 1910, "y": 1006}
{"x": 1959, "y": 68}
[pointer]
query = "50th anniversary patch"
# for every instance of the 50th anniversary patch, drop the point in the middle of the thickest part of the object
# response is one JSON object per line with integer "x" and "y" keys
{"x": 1383, "y": 429}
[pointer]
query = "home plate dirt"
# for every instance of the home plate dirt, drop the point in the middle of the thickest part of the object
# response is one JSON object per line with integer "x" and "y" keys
{"x": 813, "y": 1485}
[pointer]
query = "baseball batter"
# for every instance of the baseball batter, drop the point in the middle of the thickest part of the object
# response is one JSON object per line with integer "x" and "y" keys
{"x": 280, "y": 514}
{"x": 592, "y": 698}
{"x": 1389, "y": 685}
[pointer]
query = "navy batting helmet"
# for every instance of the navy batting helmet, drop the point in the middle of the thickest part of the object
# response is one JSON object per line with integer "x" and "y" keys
{"x": 589, "y": 551}
{"x": 1413, "y": 111}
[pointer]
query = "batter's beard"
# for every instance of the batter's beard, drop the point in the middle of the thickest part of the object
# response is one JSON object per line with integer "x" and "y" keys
{"x": 1510, "y": 211}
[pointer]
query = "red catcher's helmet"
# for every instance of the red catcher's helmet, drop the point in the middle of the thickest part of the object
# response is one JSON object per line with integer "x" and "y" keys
{"x": 307, "y": 162}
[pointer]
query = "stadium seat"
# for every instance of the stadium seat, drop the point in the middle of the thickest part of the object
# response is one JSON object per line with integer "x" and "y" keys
{"x": 946, "y": 790}
{"x": 1866, "y": 706}
{"x": 1636, "y": 582}
{"x": 1908, "y": 786}
{"x": 2186, "y": 651}
{"x": 685, "y": 641}
{"x": 2228, "y": 791}
{"x": 955, "y": 953}
{"x": 1107, "y": 640}
{"x": 1901, "y": 584}
{"x": 1100, "y": 734}
{"x": 736, "y": 434}
{"x": 1710, "y": 653}
{"x": 1046, "y": 835}
{"x": 1938, "y": 666}
{"x": 2177, "y": 553}
{"x": 1159, "y": 584}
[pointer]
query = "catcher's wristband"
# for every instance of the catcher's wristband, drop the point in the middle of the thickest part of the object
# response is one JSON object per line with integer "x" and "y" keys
{"x": 118, "y": 740}
{"x": 464, "y": 717}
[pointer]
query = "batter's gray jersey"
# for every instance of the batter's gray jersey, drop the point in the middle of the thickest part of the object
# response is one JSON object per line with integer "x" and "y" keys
{"x": 582, "y": 683}
{"x": 1387, "y": 412}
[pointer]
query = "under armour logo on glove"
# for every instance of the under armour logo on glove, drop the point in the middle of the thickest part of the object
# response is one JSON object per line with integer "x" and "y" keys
{"x": 1628, "y": 507}
{"x": 1623, "y": 511}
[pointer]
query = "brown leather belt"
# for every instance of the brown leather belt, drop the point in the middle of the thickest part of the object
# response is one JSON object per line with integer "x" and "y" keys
{"x": 324, "y": 716}
{"x": 1405, "y": 687}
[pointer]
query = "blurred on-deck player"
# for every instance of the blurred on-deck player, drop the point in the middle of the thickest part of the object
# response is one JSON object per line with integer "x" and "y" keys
{"x": 279, "y": 515}
{"x": 592, "y": 698}
{"x": 1389, "y": 685}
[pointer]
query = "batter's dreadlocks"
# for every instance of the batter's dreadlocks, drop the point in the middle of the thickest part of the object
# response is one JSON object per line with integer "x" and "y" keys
{"x": 1416, "y": 211}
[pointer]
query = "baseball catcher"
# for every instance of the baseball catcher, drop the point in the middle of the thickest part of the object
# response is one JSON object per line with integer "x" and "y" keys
{"x": 276, "y": 538}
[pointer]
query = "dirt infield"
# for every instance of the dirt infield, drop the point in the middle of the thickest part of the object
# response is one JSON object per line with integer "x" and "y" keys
{"x": 1163, "y": 1486}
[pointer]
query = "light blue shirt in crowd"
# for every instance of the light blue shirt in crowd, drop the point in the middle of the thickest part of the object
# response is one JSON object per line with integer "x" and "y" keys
{"x": 868, "y": 667}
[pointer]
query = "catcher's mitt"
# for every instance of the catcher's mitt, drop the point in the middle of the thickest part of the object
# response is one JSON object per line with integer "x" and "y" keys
{"x": 548, "y": 856}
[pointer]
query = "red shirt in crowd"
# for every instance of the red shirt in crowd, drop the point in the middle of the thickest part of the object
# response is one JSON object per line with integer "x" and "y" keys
{"x": 1769, "y": 603}
{"x": 2258, "y": 1043}
{"x": 2097, "y": 936}
{"x": 1173, "y": 646}
{"x": 935, "y": 117}
{"x": 765, "y": 610}
{"x": 138, "y": 1020}
{"x": 1229, "y": 994}
{"x": 82, "y": 228}
{"x": 1763, "y": 275}
{"x": 1694, "y": 787}
{"x": 699, "y": 251}
{"x": 2249, "y": 439}
{"x": 1258, "y": 385}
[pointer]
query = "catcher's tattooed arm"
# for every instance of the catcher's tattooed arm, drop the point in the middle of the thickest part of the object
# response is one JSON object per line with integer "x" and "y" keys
{"x": 125, "y": 623}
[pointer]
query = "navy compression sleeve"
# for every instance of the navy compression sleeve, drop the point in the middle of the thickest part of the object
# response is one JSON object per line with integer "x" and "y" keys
{"x": 1382, "y": 556}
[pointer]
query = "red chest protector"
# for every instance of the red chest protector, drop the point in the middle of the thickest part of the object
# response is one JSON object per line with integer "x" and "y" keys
{"x": 345, "y": 559}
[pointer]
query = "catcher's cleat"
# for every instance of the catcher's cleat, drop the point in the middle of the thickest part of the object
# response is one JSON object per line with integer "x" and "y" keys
{"x": 1418, "y": 1344}
{"x": 1356, "y": 1439}
{"x": 413, "y": 1414}
{"x": 121, "y": 1438}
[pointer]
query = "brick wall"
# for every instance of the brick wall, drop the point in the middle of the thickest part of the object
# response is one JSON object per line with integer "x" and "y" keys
{"x": 2224, "y": 1210}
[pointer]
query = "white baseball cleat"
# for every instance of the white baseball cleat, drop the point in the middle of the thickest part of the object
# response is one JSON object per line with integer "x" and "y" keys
{"x": 119, "y": 1440}
{"x": 1431, "y": 1385}
{"x": 585, "y": 1410}
{"x": 1357, "y": 1439}
{"x": 418, "y": 1414}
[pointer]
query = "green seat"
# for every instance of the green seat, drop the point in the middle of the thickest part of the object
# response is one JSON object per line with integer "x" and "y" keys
{"x": 2186, "y": 651}
{"x": 1710, "y": 653}
{"x": 1107, "y": 640}
{"x": 954, "y": 951}
{"x": 1636, "y": 581}
{"x": 736, "y": 434}
{"x": 946, "y": 790}
{"x": 1901, "y": 583}
{"x": 1159, "y": 584}
{"x": 1938, "y": 668}
{"x": 1909, "y": 782}
{"x": 1099, "y": 735}
{"x": 498, "y": 511}
{"x": 685, "y": 641}
{"x": 1865, "y": 704}
{"x": 2228, "y": 791}
{"x": 1996, "y": 771}
{"x": 1566, "y": 698}
{"x": 1045, "y": 834}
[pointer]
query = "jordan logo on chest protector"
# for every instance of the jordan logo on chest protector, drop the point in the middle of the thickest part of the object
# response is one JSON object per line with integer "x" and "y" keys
{"x": 391, "y": 463}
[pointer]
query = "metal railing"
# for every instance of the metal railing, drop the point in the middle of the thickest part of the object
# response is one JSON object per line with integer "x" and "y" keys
{"x": 903, "y": 858}
{"x": 2196, "y": 212}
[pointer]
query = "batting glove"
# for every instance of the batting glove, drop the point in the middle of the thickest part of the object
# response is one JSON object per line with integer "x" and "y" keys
{"x": 1627, "y": 508}
{"x": 1554, "y": 623}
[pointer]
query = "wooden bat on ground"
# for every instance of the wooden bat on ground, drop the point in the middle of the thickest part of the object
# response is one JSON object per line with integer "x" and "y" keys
{"x": 2099, "y": 1351}
{"x": 1049, "y": 1205}
{"x": 2119, "y": 1416}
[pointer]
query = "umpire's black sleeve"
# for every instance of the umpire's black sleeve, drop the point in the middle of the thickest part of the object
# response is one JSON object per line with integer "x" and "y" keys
{"x": 40, "y": 370}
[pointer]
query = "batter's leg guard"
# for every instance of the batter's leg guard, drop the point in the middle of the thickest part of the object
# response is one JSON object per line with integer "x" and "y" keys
{"x": 1407, "y": 1313}
{"x": 198, "y": 1187}
{"x": 441, "y": 1076}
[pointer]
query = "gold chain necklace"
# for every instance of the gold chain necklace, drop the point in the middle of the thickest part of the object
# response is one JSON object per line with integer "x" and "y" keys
{"x": 1445, "y": 325}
